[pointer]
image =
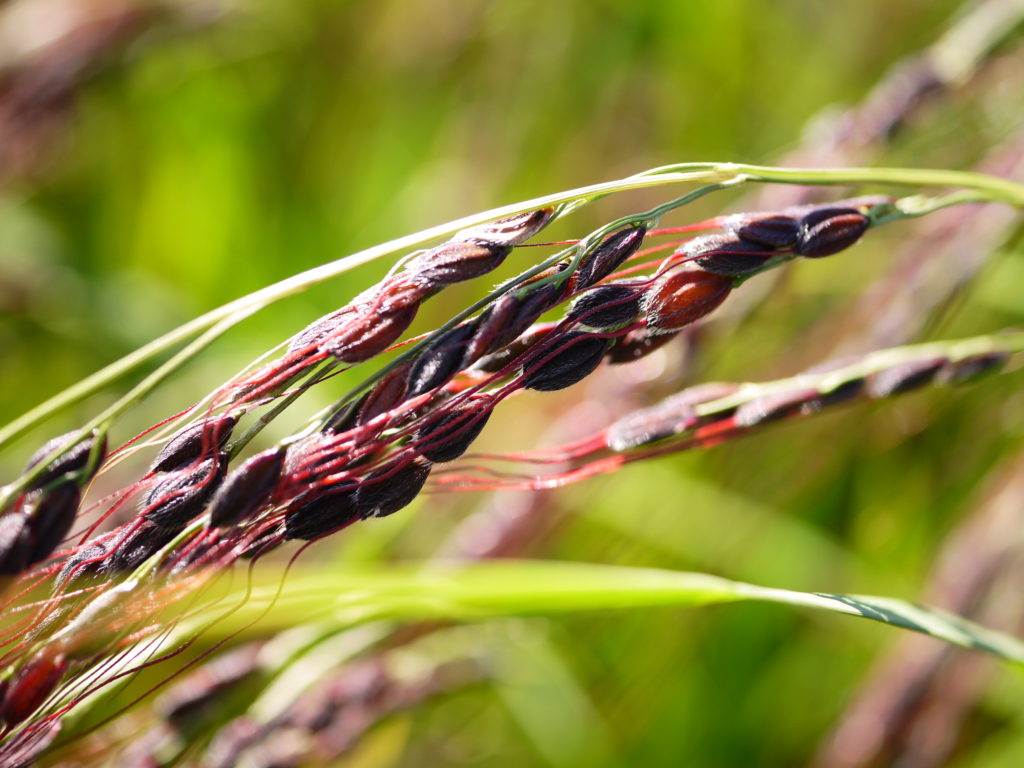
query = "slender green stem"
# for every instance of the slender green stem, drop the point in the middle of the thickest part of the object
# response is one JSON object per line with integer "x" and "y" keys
{"x": 988, "y": 188}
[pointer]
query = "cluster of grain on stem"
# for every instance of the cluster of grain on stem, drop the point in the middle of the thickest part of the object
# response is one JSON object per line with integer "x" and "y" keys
{"x": 376, "y": 450}
{"x": 708, "y": 414}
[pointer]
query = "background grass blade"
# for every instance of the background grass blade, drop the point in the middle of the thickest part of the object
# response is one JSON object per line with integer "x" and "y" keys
{"x": 529, "y": 588}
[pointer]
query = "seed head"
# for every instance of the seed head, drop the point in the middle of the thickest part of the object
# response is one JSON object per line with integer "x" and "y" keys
{"x": 683, "y": 296}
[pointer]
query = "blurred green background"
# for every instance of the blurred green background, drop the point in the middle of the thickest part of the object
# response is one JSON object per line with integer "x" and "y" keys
{"x": 162, "y": 159}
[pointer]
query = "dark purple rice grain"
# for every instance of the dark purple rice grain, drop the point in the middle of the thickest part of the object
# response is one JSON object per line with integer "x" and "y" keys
{"x": 825, "y": 231}
{"x": 572, "y": 358}
{"x": 346, "y": 417}
{"x": 454, "y": 262}
{"x": 323, "y": 514}
{"x": 609, "y": 255}
{"x": 52, "y": 515}
{"x": 727, "y": 255}
{"x": 845, "y": 392}
{"x": 74, "y": 460}
{"x": 848, "y": 390}
{"x": 650, "y": 425}
{"x": 201, "y": 439}
{"x": 450, "y": 436}
{"x": 365, "y": 333}
{"x": 495, "y": 361}
{"x": 607, "y": 307}
{"x": 182, "y": 495}
{"x": 672, "y": 416}
{"x": 903, "y": 377}
{"x": 439, "y": 361}
{"x": 535, "y": 303}
{"x": 637, "y": 344}
{"x": 973, "y": 368}
{"x": 316, "y": 331}
{"x": 775, "y": 230}
{"x": 491, "y": 327}
{"x": 395, "y": 295}
{"x": 307, "y": 454}
{"x": 507, "y": 320}
{"x": 388, "y": 490}
{"x": 763, "y": 410}
{"x": 15, "y": 543}
{"x": 247, "y": 489}
{"x": 88, "y": 561}
{"x": 512, "y": 230}
{"x": 139, "y": 542}
{"x": 389, "y": 392}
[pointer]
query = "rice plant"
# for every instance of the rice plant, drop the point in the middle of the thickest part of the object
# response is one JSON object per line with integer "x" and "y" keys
{"x": 180, "y": 585}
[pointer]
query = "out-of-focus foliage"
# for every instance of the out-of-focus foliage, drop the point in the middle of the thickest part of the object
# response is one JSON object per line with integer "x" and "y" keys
{"x": 217, "y": 147}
